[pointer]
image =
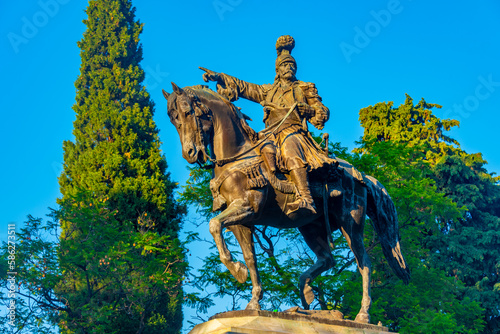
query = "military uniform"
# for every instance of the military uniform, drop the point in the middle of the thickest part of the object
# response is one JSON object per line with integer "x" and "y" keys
{"x": 296, "y": 148}
{"x": 296, "y": 151}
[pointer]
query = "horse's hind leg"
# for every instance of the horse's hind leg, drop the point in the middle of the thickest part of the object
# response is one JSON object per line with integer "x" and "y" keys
{"x": 245, "y": 239}
{"x": 237, "y": 211}
{"x": 315, "y": 236}
{"x": 353, "y": 233}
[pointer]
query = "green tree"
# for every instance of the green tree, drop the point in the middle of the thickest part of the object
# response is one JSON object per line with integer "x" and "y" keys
{"x": 79, "y": 279}
{"x": 115, "y": 265}
{"x": 469, "y": 248}
{"x": 433, "y": 302}
{"x": 463, "y": 247}
{"x": 116, "y": 158}
{"x": 411, "y": 125}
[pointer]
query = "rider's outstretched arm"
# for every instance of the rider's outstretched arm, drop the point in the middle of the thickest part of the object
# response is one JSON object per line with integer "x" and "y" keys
{"x": 233, "y": 88}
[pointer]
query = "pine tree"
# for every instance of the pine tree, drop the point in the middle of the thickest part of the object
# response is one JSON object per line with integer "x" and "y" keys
{"x": 123, "y": 262}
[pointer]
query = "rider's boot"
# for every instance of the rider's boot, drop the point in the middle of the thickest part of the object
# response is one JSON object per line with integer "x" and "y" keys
{"x": 268, "y": 151}
{"x": 270, "y": 160}
{"x": 304, "y": 201}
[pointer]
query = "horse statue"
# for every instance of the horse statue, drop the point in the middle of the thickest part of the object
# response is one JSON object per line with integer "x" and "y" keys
{"x": 212, "y": 129}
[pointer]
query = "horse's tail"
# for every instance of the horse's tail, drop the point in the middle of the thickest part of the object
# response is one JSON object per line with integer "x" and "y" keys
{"x": 382, "y": 212}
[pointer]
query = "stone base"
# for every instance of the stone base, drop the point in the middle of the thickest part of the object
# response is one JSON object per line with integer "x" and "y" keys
{"x": 266, "y": 322}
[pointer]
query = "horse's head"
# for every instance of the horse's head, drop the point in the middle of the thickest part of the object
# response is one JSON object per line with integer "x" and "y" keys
{"x": 191, "y": 118}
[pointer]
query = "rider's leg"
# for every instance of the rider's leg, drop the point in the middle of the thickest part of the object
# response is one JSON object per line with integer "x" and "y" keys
{"x": 269, "y": 153}
{"x": 296, "y": 162}
{"x": 304, "y": 199}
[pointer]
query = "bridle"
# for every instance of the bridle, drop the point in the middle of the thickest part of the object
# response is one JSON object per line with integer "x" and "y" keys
{"x": 200, "y": 109}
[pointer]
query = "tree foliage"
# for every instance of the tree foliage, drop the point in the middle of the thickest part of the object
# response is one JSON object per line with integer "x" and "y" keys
{"x": 464, "y": 246}
{"x": 97, "y": 278}
{"x": 115, "y": 265}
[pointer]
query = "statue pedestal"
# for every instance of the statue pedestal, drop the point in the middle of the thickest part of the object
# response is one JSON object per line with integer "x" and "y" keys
{"x": 266, "y": 322}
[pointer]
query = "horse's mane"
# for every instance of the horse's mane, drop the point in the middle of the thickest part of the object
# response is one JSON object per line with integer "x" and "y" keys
{"x": 196, "y": 91}
{"x": 207, "y": 93}
{"x": 203, "y": 91}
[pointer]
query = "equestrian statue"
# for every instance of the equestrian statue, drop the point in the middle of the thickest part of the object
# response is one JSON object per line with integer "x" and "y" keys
{"x": 281, "y": 177}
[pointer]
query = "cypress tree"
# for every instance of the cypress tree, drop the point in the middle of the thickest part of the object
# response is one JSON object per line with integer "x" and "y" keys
{"x": 120, "y": 257}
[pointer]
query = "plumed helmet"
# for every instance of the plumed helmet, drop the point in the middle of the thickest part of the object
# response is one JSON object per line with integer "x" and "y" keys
{"x": 284, "y": 47}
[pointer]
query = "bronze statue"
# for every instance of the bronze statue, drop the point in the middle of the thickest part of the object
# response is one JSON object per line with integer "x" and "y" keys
{"x": 298, "y": 153}
{"x": 250, "y": 192}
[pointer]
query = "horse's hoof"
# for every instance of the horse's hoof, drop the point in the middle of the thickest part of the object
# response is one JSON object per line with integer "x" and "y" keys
{"x": 308, "y": 294}
{"x": 362, "y": 318}
{"x": 240, "y": 272}
{"x": 253, "y": 305}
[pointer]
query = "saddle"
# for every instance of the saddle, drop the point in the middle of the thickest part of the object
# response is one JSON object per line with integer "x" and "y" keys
{"x": 259, "y": 175}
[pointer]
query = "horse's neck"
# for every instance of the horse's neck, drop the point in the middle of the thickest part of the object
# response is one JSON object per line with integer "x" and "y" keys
{"x": 229, "y": 137}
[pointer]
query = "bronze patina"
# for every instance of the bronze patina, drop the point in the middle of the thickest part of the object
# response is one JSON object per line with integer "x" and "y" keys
{"x": 297, "y": 152}
{"x": 280, "y": 177}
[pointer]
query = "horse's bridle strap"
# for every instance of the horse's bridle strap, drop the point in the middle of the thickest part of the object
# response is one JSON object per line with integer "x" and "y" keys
{"x": 222, "y": 162}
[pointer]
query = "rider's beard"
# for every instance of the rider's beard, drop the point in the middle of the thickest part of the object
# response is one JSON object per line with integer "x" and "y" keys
{"x": 289, "y": 76}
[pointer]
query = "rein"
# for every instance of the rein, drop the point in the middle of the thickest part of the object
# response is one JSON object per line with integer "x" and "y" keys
{"x": 222, "y": 162}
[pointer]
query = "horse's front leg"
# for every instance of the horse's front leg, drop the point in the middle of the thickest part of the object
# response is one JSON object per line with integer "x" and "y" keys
{"x": 236, "y": 212}
{"x": 245, "y": 239}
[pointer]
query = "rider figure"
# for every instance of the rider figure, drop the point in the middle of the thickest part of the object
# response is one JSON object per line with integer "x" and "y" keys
{"x": 297, "y": 152}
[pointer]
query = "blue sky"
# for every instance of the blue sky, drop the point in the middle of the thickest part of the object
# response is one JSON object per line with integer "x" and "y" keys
{"x": 357, "y": 53}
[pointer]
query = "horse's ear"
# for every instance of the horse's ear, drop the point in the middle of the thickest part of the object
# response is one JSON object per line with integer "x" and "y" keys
{"x": 177, "y": 90}
{"x": 165, "y": 94}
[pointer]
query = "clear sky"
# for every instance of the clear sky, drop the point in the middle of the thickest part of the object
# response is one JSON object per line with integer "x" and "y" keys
{"x": 357, "y": 53}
